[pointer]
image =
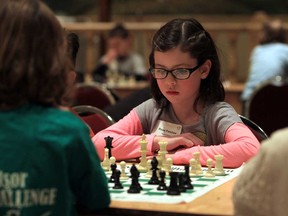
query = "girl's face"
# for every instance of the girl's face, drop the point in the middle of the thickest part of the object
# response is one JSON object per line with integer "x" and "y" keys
{"x": 179, "y": 91}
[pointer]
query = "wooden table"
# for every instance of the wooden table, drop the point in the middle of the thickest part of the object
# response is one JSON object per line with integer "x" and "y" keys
{"x": 123, "y": 90}
{"x": 215, "y": 202}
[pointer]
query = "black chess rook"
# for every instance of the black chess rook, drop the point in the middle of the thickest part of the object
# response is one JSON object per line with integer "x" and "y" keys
{"x": 181, "y": 182}
{"x": 173, "y": 188}
{"x": 186, "y": 178}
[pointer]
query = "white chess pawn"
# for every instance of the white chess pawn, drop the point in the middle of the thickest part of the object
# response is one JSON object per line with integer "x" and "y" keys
{"x": 218, "y": 170}
{"x": 168, "y": 165}
{"x": 123, "y": 170}
{"x": 112, "y": 161}
{"x": 209, "y": 172}
{"x": 193, "y": 167}
{"x": 106, "y": 161}
{"x": 198, "y": 166}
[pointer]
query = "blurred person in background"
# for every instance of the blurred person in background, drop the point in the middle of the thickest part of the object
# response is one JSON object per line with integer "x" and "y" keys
{"x": 269, "y": 58}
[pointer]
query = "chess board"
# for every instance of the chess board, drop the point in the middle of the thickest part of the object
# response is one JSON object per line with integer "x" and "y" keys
{"x": 150, "y": 193}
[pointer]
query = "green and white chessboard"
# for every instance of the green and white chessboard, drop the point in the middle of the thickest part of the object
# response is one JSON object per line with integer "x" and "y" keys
{"x": 150, "y": 193}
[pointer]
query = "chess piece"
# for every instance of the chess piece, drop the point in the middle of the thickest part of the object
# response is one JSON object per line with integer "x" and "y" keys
{"x": 173, "y": 188}
{"x": 193, "y": 167}
{"x": 218, "y": 170}
{"x": 112, "y": 160}
{"x": 135, "y": 186}
{"x": 109, "y": 146}
{"x": 186, "y": 178}
{"x": 162, "y": 154}
{"x": 154, "y": 166}
{"x": 133, "y": 170}
{"x": 181, "y": 182}
{"x": 113, "y": 169}
{"x": 106, "y": 162}
{"x": 198, "y": 167}
{"x": 168, "y": 165}
{"x": 209, "y": 172}
{"x": 123, "y": 175}
{"x": 162, "y": 184}
{"x": 142, "y": 167}
{"x": 117, "y": 183}
{"x": 135, "y": 173}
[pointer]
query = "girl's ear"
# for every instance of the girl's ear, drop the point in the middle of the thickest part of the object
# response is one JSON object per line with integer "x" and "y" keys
{"x": 205, "y": 69}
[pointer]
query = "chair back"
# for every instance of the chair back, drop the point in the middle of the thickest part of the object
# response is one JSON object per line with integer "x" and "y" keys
{"x": 256, "y": 129}
{"x": 268, "y": 105}
{"x": 96, "y": 118}
{"x": 93, "y": 94}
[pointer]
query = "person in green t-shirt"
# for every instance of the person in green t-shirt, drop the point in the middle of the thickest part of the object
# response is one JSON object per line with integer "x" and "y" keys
{"x": 48, "y": 164}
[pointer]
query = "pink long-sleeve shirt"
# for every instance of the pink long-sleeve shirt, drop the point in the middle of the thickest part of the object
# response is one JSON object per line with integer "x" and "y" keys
{"x": 238, "y": 144}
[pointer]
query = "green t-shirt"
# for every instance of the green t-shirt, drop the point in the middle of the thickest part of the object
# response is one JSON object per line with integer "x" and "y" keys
{"x": 48, "y": 163}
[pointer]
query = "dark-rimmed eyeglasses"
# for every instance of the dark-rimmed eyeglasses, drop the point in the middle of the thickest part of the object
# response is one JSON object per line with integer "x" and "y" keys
{"x": 179, "y": 73}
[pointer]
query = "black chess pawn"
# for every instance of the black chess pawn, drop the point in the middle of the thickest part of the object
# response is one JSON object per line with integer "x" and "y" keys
{"x": 113, "y": 169}
{"x": 162, "y": 184}
{"x": 181, "y": 182}
{"x": 173, "y": 188}
{"x": 154, "y": 167}
{"x": 186, "y": 178}
{"x": 117, "y": 182}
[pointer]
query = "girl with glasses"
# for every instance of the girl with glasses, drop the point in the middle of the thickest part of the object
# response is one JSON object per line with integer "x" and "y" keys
{"x": 187, "y": 109}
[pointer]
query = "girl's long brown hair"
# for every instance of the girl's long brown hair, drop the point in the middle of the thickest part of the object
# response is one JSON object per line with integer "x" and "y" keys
{"x": 33, "y": 59}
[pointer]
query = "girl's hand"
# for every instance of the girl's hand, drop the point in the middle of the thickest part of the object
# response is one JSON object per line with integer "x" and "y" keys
{"x": 185, "y": 140}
